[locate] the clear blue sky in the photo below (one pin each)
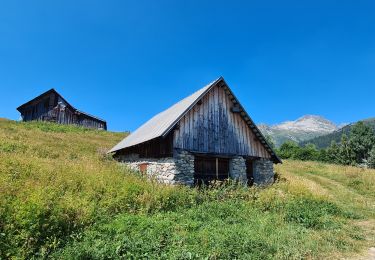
(124, 61)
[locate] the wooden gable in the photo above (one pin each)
(215, 125)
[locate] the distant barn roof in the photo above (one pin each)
(161, 124)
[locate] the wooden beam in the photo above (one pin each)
(217, 168)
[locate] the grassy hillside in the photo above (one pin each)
(62, 197)
(325, 140)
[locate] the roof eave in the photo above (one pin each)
(94, 117)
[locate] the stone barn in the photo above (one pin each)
(205, 137)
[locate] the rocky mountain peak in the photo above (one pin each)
(301, 129)
(308, 123)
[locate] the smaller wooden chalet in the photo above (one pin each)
(204, 137)
(52, 107)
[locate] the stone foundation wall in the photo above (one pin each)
(178, 169)
(263, 172)
(184, 162)
(162, 169)
(237, 169)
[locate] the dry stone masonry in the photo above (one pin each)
(184, 162)
(263, 172)
(237, 170)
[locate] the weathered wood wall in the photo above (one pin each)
(39, 109)
(211, 127)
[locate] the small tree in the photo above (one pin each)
(322, 155)
(333, 153)
(346, 154)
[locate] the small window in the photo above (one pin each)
(143, 167)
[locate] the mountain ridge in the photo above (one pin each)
(303, 128)
(324, 141)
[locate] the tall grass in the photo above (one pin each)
(62, 197)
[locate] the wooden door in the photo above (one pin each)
(208, 169)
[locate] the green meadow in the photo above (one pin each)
(62, 197)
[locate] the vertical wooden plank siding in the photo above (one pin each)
(211, 127)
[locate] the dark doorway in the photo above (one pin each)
(250, 172)
(208, 169)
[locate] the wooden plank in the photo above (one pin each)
(216, 121)
(210, 122)
(225, 123)
(205, 123)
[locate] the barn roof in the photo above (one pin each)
(52, 90)
(161, 124)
